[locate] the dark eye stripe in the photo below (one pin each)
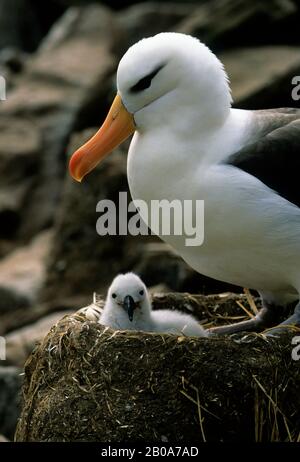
(145, 82)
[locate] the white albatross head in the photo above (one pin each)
(164, 73)
(128, 292)
(170, 78)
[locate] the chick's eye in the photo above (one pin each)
(114, 295)
(141, 292)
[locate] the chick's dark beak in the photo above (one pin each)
(129, 306)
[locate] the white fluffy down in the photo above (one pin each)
(175, 322)
(144, 319)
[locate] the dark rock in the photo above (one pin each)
(46, 16)
(11, 300)
(10, 387)
(6, 246)
(13, 59)
(223, 24)
(20, 146)
(23, 23)
(18, 25)
(134, 386)
(262, 77)
(150, 18)
(116, 4)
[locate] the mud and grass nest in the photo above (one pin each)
(85, 382)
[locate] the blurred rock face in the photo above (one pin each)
(72, 61)
(22, 272)
(23, 23)
(59, 60)
(10, 386)
(81, 259)
(18, 25)
(20, 146)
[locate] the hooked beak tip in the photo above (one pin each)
(117, 127)
(74, 166)
(129, 306)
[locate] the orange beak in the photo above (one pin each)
(117, 127)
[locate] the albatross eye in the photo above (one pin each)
(146, 81)
(141, 292)
(114, 295)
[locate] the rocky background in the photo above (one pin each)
(59, 60)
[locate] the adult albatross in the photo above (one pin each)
(189, 143)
